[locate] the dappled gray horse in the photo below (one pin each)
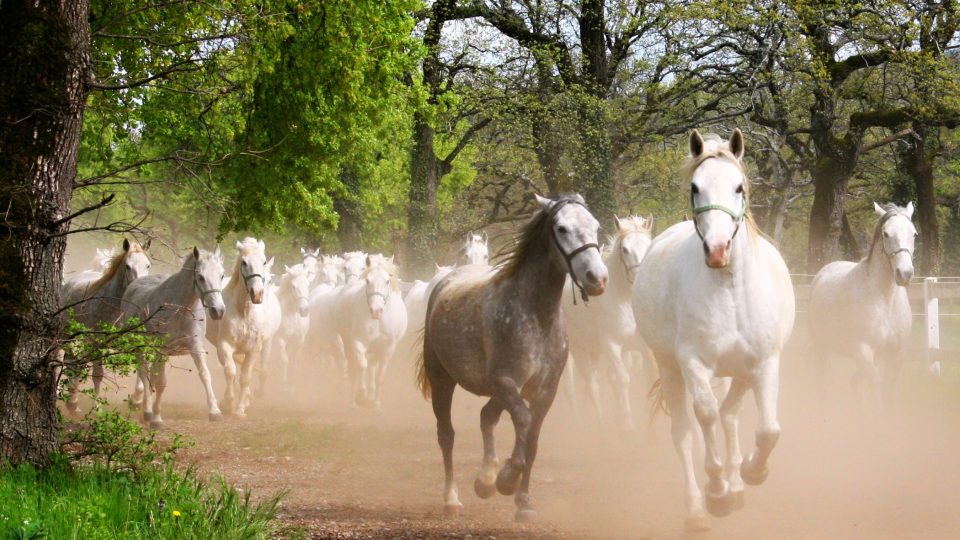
(500, 333)
(173, 307)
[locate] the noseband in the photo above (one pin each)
(204, 293)
(568, 257)
(737, 216)
(247, 278)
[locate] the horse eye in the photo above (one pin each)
(886, 234)
(562, 230)
(740, 188)
(694, 189)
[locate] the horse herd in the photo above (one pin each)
(708, 298)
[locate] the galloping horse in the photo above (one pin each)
(251, 320)
(95, 298)
(173, 307)
(293, 293)
(602, 331)
(861, 310)
(500, 333)
(713, 298)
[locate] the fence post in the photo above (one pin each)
(932, 310)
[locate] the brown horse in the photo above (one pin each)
(500, 333)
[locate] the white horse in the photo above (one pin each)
(173, 307)
(713, 298)
(354, 264)
(251, 320)
(311, 261)
(602, 331)
(371, 319)
(861, 310)
(293, 293)
(322, 340)
(95, 298)
(474, 250)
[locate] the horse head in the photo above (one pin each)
(253, 267)
(718, 193)
(897, 234)
(574, 232)
(208, 280)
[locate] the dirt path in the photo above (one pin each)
(353, 473)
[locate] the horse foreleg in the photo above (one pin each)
(250, 361)
(766, 385)
(508, 393)
(699, 378)
(143, 374)
(263, 366)
(97, 377)
(485, 483)
(136, 400)
(620, 381)
(199, 355)
(225, 357)
(158, 378)
(675, 396)
(538, 411)
(730, 420)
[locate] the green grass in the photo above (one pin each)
(89, 502)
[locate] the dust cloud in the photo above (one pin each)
(838, 472)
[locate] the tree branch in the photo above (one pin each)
(103, 202)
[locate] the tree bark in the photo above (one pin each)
(917, 160)
(350, 227)
(45, 52)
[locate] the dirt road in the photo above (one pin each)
(356, 473)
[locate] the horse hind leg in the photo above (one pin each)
(97, 377)
(442, 387)
(159, 382)
(485, 485)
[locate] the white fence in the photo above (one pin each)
(925, 294)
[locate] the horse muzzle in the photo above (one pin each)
(216, 313)
(376, 313)
(717, 254)
(256, 296)
(595, 283)
(303, 309)
(903, 277)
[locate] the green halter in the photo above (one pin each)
(737, 216)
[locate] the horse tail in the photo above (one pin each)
(658, 404)
(423, 381)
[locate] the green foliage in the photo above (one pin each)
(112, 442)
(94, 503)
(119, 348)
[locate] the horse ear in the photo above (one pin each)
(239, 245)
(196, 252)
(126, 245)
(217, 254)
(879, 209)
(286, 269)
(269, 264)
(316, 253)
(616, 221)
(303, 252)
(696, 143)
(544, 202)
(486, 239)
(390, 259)
(368, 261)
(736, 143)
(910, 209)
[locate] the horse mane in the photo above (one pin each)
(116, 263)
(716, 147)
(892, 211)
(528, 242)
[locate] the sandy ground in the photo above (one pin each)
(358, 473)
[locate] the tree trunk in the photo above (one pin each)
(45, 54)
(918, 162)
(830, 180)
(350, 227)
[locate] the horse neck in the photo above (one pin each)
(287, 296)
(539, 284)
(743, 254)
(182, 287)
(878, 269)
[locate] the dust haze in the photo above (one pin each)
(838, 471)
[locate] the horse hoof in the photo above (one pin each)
(719, 506)
(215, 417)
(697, 524)
(751, 475)
(484, 490)
(526, 515)
(156, 424)
(738, 500)
(147, 416)
(508, 480)
(453, 510)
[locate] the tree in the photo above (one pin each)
(43, 90)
